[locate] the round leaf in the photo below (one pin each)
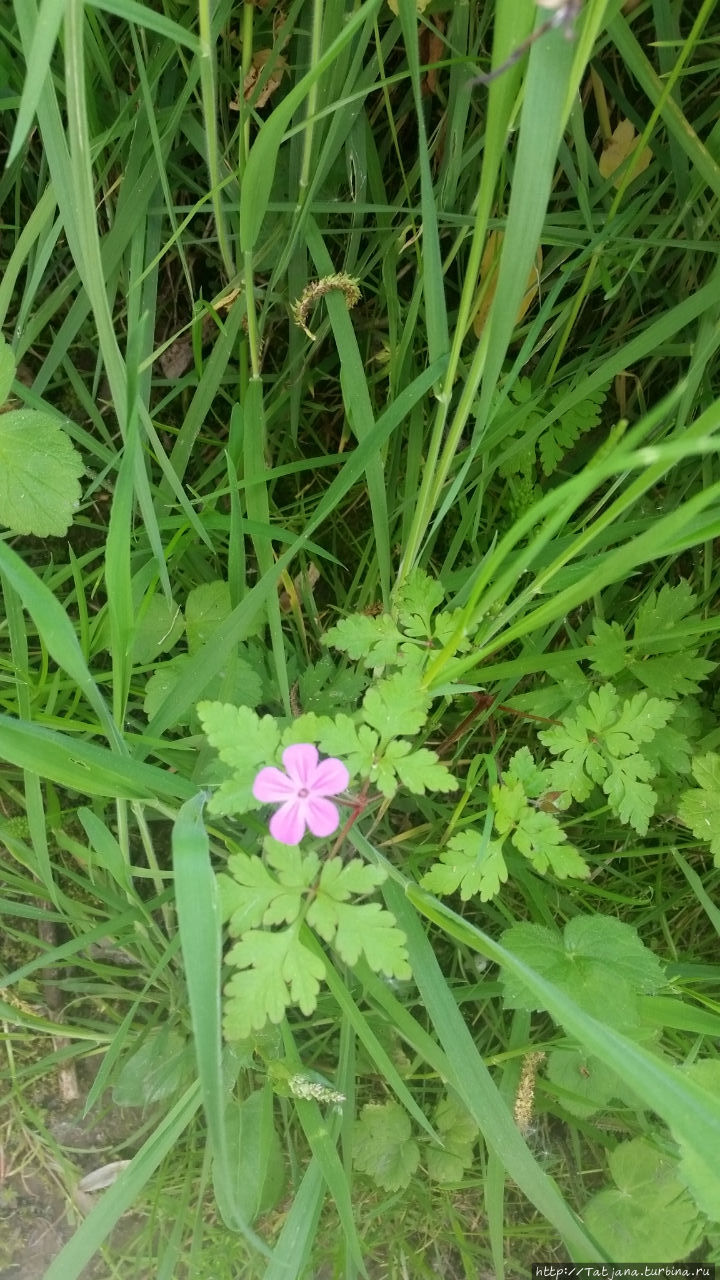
(39, 474)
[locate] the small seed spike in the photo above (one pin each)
(562, 14)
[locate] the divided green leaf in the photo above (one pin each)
(699, 808)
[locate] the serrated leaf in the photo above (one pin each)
(597, 954)
(40, 471)
(416, 601)
(459, 1133)
(245, 743)
(660, 615)
(161, 684)
(445, 627)
(627, 790)
(361, 929)
(276, 971)
(421, 771)
(468, 865)
(396, 707)
(250, 895)
(700, 809)
(531, 777)
(374, 640)
(324, 689)
(603, 741)
(608, 643)
(383, 1146)
(650, 1214)
(342, 880)
(354, 745)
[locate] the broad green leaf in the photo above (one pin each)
(40, 471)
(160, 1067)
(205, 608)
(586, 1084)
(158, 628)
(256, 1155)
(650, 1215)
(383, 1146)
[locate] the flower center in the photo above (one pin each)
(303, 793)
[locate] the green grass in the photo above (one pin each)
(246, 488)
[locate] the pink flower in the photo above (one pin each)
(301, 793)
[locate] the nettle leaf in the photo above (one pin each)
(374, 640)
(416, 601)
(383, 1146)
(468, 865)
(650, 1214)
(245, 743)
(40, 471)
(276, 971)
(596, 956)
(700, 809)
(459, 1134)
(396, 707)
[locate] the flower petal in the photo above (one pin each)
(300, 760)
(288, 824)
(321, 816)
(331, 776)
(272, 785)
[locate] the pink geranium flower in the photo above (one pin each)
(301, 793)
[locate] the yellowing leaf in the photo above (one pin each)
(420, 6)
(489, 268)
(254, 74)
(618, 148)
